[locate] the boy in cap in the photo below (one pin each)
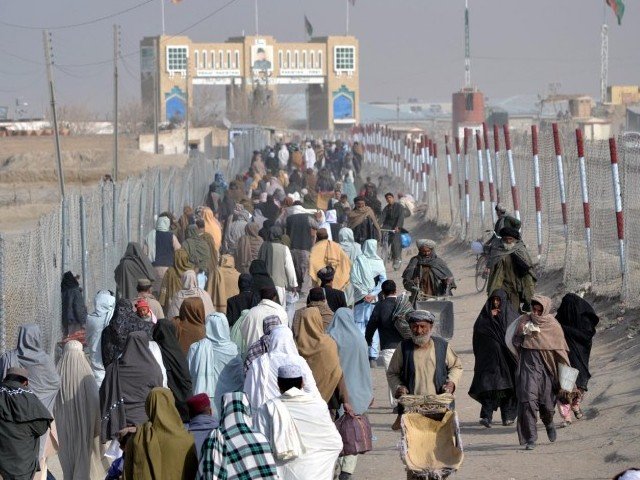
(144, 292)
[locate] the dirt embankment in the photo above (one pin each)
(29, 179)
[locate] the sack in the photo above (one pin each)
(403, 308)
(405, 239)
(355, 433)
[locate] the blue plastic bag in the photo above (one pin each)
(405, 240)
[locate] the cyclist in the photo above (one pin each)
(427, 273)
(504, 219)
(393, 219)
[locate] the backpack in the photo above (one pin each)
(403, 308)
(356, 434)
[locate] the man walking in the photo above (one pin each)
(393, 219)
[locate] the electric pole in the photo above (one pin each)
(49, 62)
(116, 53)
(604, 62)
(156, 95)
(186, 106)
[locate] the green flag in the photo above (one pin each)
(308, 27)
(618, 8)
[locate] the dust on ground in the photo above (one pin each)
(29, 179)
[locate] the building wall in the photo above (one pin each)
(623, 94)
(468, 108)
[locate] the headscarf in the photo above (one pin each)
(77, 414)
(175, 363)
(189, 289)
(260, 277)
(69, 281)
(161, 448)
(550, 336)
(261, 346)
(248, 247)
(328, 252)
(190, 322)
(44, 381)
(320, 351)
(126, 385)
(214, 362)
(133, 266)
(494, 368)
(230, 277)
(172, 281)
(104, 306)
(184, 221)
(219, 184)
(366, 268)
(234, 451)
(354, 359)
(212, 226)
(163, 224)
(114, 337)
(348, 244)
(578, 320)
(197, 248)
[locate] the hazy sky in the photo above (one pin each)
(408, 48)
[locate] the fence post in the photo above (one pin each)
(449, 177)
(3, 314)
(537, 189)
(467, 199)
(561, 185)
(105, 235)
(83, 244)
(141, 215)
(496, 147)
(492, 190)
(615, 176)
(512, 172)
(63, 235)
(128, 211)
(480, 178)
(435, 175)
(586, 210)
(460, 175)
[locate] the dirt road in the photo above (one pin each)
(605, 442)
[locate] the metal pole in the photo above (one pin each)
(480, 178)
(105, 235)
(492, 190)
(256, 17)
(186, 108)
(449, 177)
(116, 49)
(561, 185)
(156, 95)
(46, 37)
(435, 175)
(536, 186)
(83, 243)
(617, 197)
(460, 175)
(162, 12)
(3, 320)
(512, 172)
(467, 199)
(586, 209)
(496, 147)
(348, 1)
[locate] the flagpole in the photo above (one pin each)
(162, 10)
(348, 1)
(256, 19)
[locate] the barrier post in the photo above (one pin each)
(586, 210)
(561, 184)
(449, 176)
(467, 200)
(617, 196)
(492, 191)
(460, 175)
(515, 195)
(537, 189)
(496, 148)
(83, 246)
(480, 178)
(435, 174)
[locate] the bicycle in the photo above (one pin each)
(385, 247)
(481, 249)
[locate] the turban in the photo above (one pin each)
(326, 274)
(509, 232)
(198, 404)
(425, 242)
(421, 316)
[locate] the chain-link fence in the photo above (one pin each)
(88, 234)
(558, 234)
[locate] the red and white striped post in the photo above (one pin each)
(435, 175)
(480, 178)
(460, 175)
(561, 184)
(617, 197)
(423, 160)
(496, 147)
(492, 190)
(586, 209)
(405, 160)
(536, 186)
(467, 199)
(428, 169)
(449, 176)
(515, 195)
(418, 174)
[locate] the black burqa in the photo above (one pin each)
(242, 301)
(127, 383)
(133, 266)
(175, 363)
(495, 366)
(260, 278)
(114, 337)
(578, 320)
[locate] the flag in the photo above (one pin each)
(618, 8)
(308, 27)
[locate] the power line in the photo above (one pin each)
(80, 24)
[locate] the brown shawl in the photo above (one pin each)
(248, 247)
(325, 312)
(213, 266)
(320, 351)
(172, 281)
(190, 323)
(549, 340)
(355, 217)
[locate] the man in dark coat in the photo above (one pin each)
(363, 221)
(23, 420)
(335, 298)
(242, 301)
(74, 310)
(393, 219)
(427, 273)
(493, 382)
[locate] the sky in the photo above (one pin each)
(408, 48)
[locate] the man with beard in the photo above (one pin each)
(362, 220)
(427, 273)
(511, 269)
(424, 364)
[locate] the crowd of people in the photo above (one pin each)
(240, 331)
